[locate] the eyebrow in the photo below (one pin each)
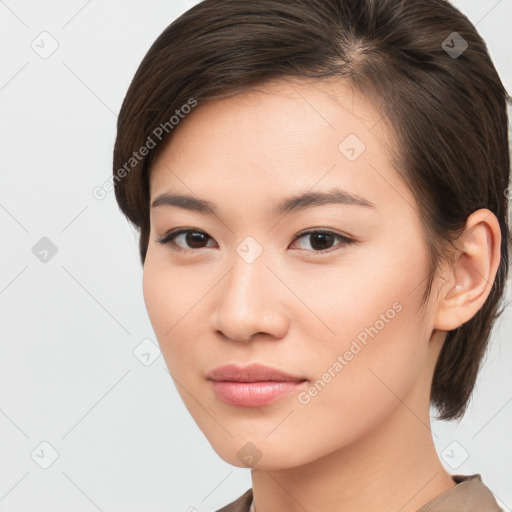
(296, 203)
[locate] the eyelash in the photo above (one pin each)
(168, 238)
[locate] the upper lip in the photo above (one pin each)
(251, 373)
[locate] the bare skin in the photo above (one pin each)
(363, 442)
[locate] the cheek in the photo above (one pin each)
(378, 364)
(161, 295)
(166, 295)
(155, 298)
(352, 397)
(170, 305)
(380, 346)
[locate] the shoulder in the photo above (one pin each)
(469, 494)
(241, 504)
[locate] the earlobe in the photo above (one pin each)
(473, 272)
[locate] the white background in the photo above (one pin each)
(69, 327)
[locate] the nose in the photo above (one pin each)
(250, 301)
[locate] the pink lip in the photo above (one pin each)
(252, 386)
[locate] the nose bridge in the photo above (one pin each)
(249, 273)
(247, 285)
(247, 301)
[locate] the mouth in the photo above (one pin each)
(252, 373)
(252, 386)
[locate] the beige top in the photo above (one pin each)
(468, 495)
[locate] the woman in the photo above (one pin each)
(321, 192)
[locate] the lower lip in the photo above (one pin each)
(253, 394)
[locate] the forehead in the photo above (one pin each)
(283, 135)
(296, 110)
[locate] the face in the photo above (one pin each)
(325, 290)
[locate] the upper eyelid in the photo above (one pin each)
(180, 231)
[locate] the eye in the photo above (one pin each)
(320, 238)
(193, 237)
(196, 239)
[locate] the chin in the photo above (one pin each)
(259, 453)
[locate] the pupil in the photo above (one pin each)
(322, 237)
(194, 238)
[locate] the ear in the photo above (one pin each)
(472, 274)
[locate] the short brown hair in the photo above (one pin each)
(444, 103)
